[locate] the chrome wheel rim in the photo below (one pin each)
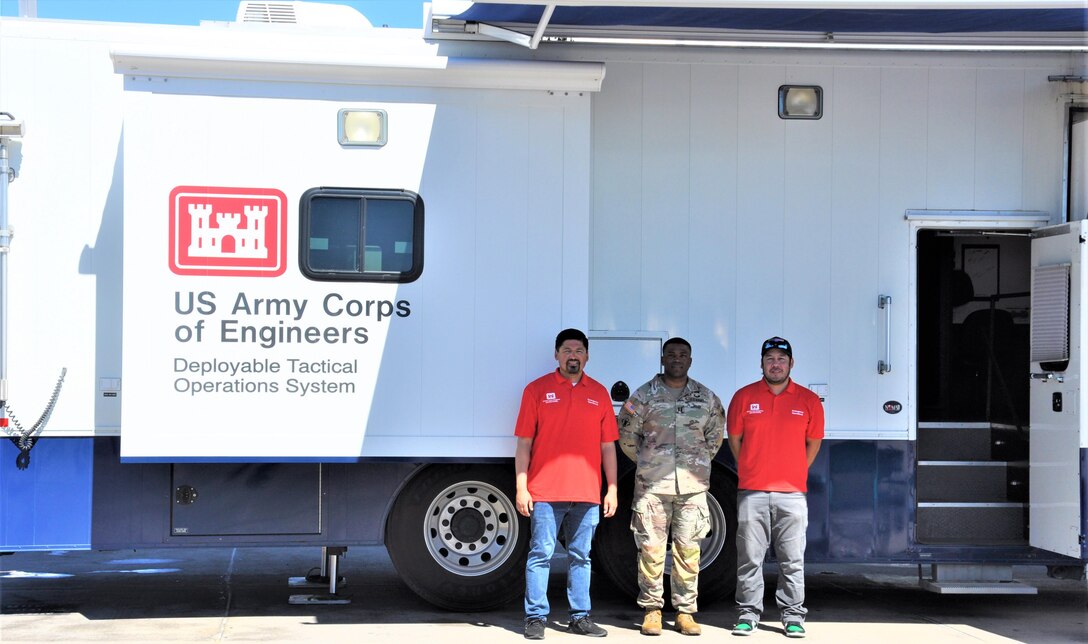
(471, 528)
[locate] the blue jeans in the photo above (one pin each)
(579, 521)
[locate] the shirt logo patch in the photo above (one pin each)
(630, 407)
(550, 397)
(592, 402)
(797, 412)
(753, 408)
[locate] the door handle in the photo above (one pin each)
(884, 302)
(1047, 376)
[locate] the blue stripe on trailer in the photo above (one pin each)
(48, 505)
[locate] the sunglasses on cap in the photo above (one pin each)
(777, 343)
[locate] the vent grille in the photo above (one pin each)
(1050, 314)
(270, 12)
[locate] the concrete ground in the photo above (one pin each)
(236, 595)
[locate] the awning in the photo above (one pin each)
(1060, 24)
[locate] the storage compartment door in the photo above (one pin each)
(218, 499)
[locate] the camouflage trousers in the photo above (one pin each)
(651, 519)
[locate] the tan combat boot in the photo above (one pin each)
(651, 623)
(685, 623)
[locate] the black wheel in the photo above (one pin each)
(616, 553)
(457, 540)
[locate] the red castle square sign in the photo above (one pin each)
(228, 231)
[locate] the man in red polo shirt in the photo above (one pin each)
(775, 428)
(566, 431)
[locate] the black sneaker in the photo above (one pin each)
(744, 627)
(585, 626)
(534, 628)
(795, 629)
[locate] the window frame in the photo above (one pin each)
(362, 195)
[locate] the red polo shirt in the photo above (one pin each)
(567, 423)
(772, 452)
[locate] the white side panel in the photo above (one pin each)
(1042, 161)
(500, 313)
(796, 227)
(950, 153)
(617, 201)
(904, 127)
(999, 139)
(544, 286)
(761, 228)
(65, 210)
(711, 279)
(448, 170)
(806, 242)
(666, 157)
(504, 175)
(855, 184)
(1058, 428)
(575, 199)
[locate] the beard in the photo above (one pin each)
(573, 367)
(778, 378)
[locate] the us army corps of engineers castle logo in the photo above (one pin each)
(228, 231)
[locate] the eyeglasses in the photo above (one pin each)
(776, 344)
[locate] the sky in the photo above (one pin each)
(391, 13)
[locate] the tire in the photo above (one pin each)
(617, 554)
(455, 537)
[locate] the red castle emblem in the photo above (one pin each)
(228, 231)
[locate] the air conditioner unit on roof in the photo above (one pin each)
(308, 14)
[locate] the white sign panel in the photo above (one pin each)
(230, 352)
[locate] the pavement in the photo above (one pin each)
(241, 595)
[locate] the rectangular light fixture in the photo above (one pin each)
(800, 102)
(365, 128)
(10, 127)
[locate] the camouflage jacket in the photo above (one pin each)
(672, 441)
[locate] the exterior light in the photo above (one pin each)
(800, 102)
(366, 128)
(10, 127)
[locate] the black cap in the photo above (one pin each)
(776, 343)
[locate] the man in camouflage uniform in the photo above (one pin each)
(671, 428)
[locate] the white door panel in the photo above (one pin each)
(1057, 361)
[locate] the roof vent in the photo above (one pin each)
(308, 14)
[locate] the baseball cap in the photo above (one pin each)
(776, 343)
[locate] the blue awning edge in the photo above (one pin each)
(920, 21)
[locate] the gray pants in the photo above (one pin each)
(763, 518)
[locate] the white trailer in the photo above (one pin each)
(299, 273)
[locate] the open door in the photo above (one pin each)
(1057, 404)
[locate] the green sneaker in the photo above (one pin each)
(744, 627)
(795, 629)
